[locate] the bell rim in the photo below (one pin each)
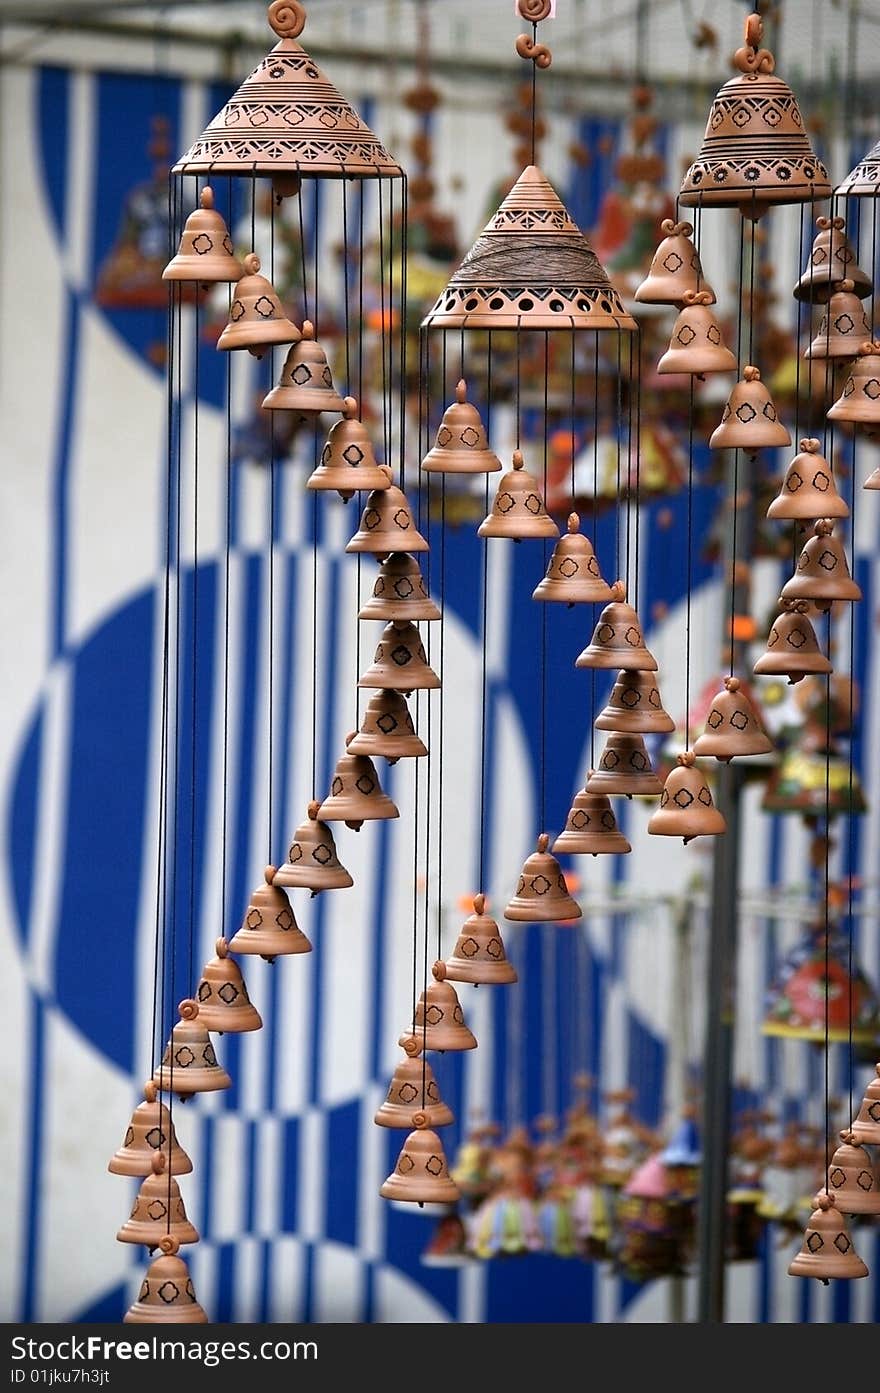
(336, 878)
(230, 1020)
(437, 1114)
(276, 945)
(141, 1169)
(399, 610)
(599, 844)
(477, 972)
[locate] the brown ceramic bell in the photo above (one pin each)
(478, 955)
(733, 727)
(675, 269)
(387, 730)
(461, 446)
(387, 524)
(356, 794)
(205, 254)
(832, 260)
(843, 327)
(873, 480)
(189, 1064)
(311, 858)
(223, 1000)
(822, 574)
(306, 384)
(859, 401)
(421, 1174)
(828, 1249)
(158, 1209)
(749, 420)
(269, 927)
(573, 576)
(866, 1127)
(400, 663)
(399, 592)
(617, 640)
(348, 463)
(167, 1296)
(635, 705)
(151, 1129)
(624, 767)
(591, 828)
(541, 894)
(686, 808)
(413, 1090)
(256, 317)
(853, 1178)
(438, 1023)
(808, 490)
(518, 509)
(792, 647)
(863, 180)
(696, 344)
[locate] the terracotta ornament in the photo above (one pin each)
(400, 663)
(478, 956)
(828, 1249)
(541, 894)
(518, 509)
(387, 524)
(151, 1130)
(166, 1295)
(400, 592)
(205, 253)
(696, 344)
(158, 1209)
(624, 767)
(312, 862)
(853, 1178)
(859, 402)
(822, 574)
(573, 576)
(407, 1099)
(224, 1004)
(306, 383)
(635, 705)
(808, 490)
(438, 1023)
(863, 181)
(356, 794)
(792, 647)
(733, 727)
(387, 730)
(686, 808)
(189, 1064)
(348, 462)
(866, 1127)
(269, 927)
(617, 640)
(256, 316)
(832, 260)
(675, 270)
(843, 327)
(421, 1174)
(461, 446)
(591, 828)
(749, 420)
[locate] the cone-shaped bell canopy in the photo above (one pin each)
(733, 727)
(518, 509)
(853, 1178)
(167, 1295)
(224, 1004)
(808, 490)
(866, 1127)
(755, 151)
(311, 858)
(863, 180)
(356, 795)
(531, 268)
(421, 1174)
(150, 1130)
(624, 767)
(686, 808)
(617, 640)
(269, 927)
(822, 574)
(541, 894)
(256, 315)
(792, 647)
(478, 955)
(189, 1064)
(348, 463)
(388, 730)
(591, 828)
(749, 420)
(439, 1022)
(832, 260)
(859, 401)
(400, 592)
(696, 344)
(205, 254)
(635, 705)
(407, 1098)
(400, 663)
(843, 328)
(827, 1248)
(387, 524)
(872, 481)
(675, 269)
(573, 576)
(306, 384)
(288, 118)
(158, 1209)
(461, 446)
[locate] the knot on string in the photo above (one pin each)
(676, 229)
(751, 58)
(869, 346)
(810, 445)
(419, 1120)
(151, 1092)
(618, 591)
(697, 297)
(313, 810)
(823, 528)
(751, 373)
(169, 1245)
(461, 391)
(221, 947)
(825, 224)
(480, 904)
(438, 971)
(543, 842)
(687, 759)
(188, 1009)
(270, 873)
(252, 264)
(206, 197)
(732, 684)
(539, 54)
(157, 1162)
(847, 284)
(573, 524)
(287, 18)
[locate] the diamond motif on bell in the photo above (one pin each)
(401, 655)
(504, 502)
(632, 637)
(605, 633)
(540, 885)
(434, 1164)
(815, 1242)
(444, 435)
(202, 244)
(264, 307)
(610, 759)
(705, 797)
(842, 1243)
(184, 1056)
(495, 949)
(579, 820)
(828, 561)
(156, 1210)
(228, 993)
(209, 1056)
(405, 1163)
(685, 335)
(797, 638)
(568, 567)
(713, 334)
(821, 482)
(672, 263)
(739, 720)
(169, 1292)
(630, 698)
(741, 117)
(469, 947)
(714, 718)
(745, 413)
(683, 798)
(408, 1093)
(470, 437)
(284, 920)
(533, 503)
(365, 785)
(769, 410)
(386, 723)
(794, 482)
(204, 991)
(403, 588)
(371, 519)
(295, 853)
(301, 374)
(353, 454)
(254, 919)
(837, 1177)
(844, 324)
(607, 820)
(872, 388)
(401, 519)
(865, 1181)
(336, 786)
(874, 1112)
(154, 1138)
(433, 1015)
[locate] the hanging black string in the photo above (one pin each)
(191, 913)
(273, 479)
(404, 274)
(384, 331)
(689, 570)
(227, 552)
(484, 634)
(734, 501)
(543, 608)
(827, 914)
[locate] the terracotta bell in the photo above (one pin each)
(387, 524)
(675, 269)
(755, 151)
(256, 317)
(205, 253)
(478, 955)
(853, 1178)
(387, 730)
(635, 705)
(792, 647)
(151, 1130)
(873, 480)
(348, 462)
(832, 260)
(461, 446)
(843, 327)
(749, 420)
(158, 1209)
(573, 576)
(808, 490)
(828, 1249)
(421, 1174)
(189, 1064)
(624, 767)
(399, 592)
(356, 794)
(518, 509)
(686, 808)
(312, 862)
(863, 180)
(166, 1296)
(438, 1023)
(269, 927)
(306, 383)
(407, 1098)
(733, 727)
(224, 1004)
(696, 344)
(541, 895)
(866, 1127)
(822, 574)
(617, 640)
(859, 402)
(591, 828)
(400, 663)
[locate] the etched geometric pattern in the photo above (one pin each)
(405, 1163)
(468, 948)
(815, 1242)
(683, 798)
(574, 305)
(434, 1014)
(228, 993)
(284, 920)
(714, 718)
(568, 567)
(434, 1165)
(842, 1243)
(705, 797)
(407, 1093)
(253, 919)
(739, 720)
(821, 482)
(540, 884)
